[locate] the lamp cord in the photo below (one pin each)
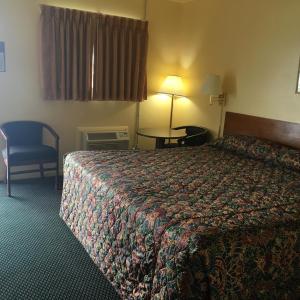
(221, 119)
(145, 10)
(138, 105)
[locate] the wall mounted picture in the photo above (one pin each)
(2, 57)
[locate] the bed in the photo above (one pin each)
(219, 221)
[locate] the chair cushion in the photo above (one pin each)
(24, 132)
(25, 154)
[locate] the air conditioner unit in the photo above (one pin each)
(104, 138)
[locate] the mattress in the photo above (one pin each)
(186, 223)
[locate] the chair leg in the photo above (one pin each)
(57, 176)
(5, 177)
(42, 170)
(8, 181)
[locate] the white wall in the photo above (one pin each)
(254, 45)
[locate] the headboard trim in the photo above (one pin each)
(282, 132)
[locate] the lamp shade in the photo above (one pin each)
(212, 85)
(172, 85)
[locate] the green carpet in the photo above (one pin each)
(39, 256)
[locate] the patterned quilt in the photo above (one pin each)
(186, 223)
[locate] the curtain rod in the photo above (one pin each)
(145, 10)
(143, 18)
(138, 105)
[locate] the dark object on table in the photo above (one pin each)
(161, 135)
(195, 136)
(24, 146)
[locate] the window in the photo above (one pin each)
(90, 56)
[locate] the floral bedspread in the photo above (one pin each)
(186, 223)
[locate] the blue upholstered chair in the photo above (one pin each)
(24, 146)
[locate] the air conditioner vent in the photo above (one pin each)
(121, 145)
(101, 136)
(104, 138)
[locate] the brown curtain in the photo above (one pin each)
(120, 59)
(67, 48)
(89, 56)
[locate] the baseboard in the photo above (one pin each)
(28, 175)
(33, 175)
(59, 185)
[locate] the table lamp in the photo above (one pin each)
(172, 86)
(213, 88)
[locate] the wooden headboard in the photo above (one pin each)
(282, 132)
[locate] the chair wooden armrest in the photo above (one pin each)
(6, 138)
(54, 134)
(2, 132)
(180, 127)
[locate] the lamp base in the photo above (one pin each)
(171, 112)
